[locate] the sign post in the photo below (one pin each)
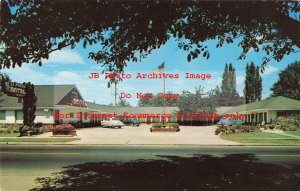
(26, 92)
(13, 89)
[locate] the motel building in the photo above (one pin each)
(65, 104)
(265, 111)
(50, 99)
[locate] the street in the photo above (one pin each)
(181, 167)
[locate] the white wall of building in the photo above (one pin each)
(10, 116)
(44, 116)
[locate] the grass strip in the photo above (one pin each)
(20, 139)
(262, 138)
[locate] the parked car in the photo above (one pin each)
(111, 122)
(132, 121)
(229, 122)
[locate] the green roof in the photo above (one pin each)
(223, 110)
(149, 110)
(102, 108)
(273, 103)
(48, 96)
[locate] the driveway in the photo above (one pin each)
(128, 135)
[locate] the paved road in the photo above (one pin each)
(188, 135)
(21, 164)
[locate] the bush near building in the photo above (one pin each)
(6, 128)
(35, 130)
(39, 128)
(237, 129)
(285, 123)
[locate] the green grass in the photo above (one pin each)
(296, 133)
(262, 138)
(20, 139)
(9, 134)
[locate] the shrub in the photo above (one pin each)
(11, 128)
(5, 130)
(232, 129)
(173, 125)
(287, 123)
(217, 131)
(16, 129)
(62, 128)
(23, 130)
(164, 125)
(158, 125)
(39, 124)
(45, 128)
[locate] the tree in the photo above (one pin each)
(157, 101)
(126, 31)
(258, 84)
(123, 103)
(228, 87)
(288, 84)
(253, 84)
(29, 105)
(198, 102)
(225, 82)
(3, 78)
(227, 94)
(145, 102)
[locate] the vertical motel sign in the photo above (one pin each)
(26, 92)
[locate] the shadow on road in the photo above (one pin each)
(172, 173)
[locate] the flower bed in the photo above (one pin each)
(285, 123)
(63, 129)
(237, 129)
(165, 127)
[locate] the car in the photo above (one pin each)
(229, 122)
(111, 123)
(132, 121)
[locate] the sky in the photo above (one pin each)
(72, 66)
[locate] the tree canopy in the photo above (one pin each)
(196, 102)
(123, 103)
(228, 86)
(288, 84)
(253, 84)
(127, 31)
(227, 94)
(156, 101)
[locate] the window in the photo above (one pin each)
(75, 95)
(2, 115)
(19, 115)
(20, 100)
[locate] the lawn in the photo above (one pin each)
(20, 139)
(9, 134)
(262, 138)
(296, 133)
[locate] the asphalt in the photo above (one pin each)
(22, 164)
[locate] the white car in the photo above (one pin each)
(111, 122)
